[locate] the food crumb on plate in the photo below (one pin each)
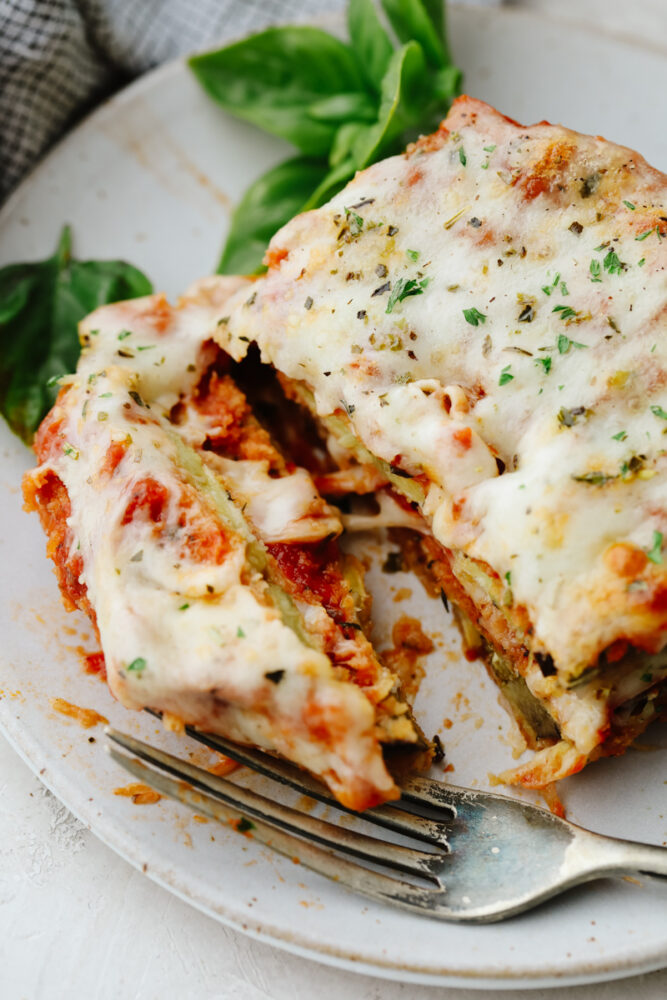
(87, 717)
(140, 794)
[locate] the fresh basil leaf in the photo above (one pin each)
(266, 206)
(332, 183)
(411, 20)
(446, 84)
(344, 142)
(41, 304)
(271, 79)
(369, 40)
(344, 108)
(312, 89)
(401, 104)
(438, 16)
(436, 13)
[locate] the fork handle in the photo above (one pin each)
(615, 856)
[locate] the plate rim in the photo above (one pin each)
(300, 944)
(21, 740)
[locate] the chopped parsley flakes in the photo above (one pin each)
(596, 478)
(403, 289)
(356, 222)
(566, 312)
(655, 552)
(505, 376)
(564, 344)
(658, 411)
(612, 263)
(474, 316)
(244, 825)
(137, 665)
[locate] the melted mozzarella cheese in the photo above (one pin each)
(498, 292)
(187, 622)
(282, 509)
(193, 621)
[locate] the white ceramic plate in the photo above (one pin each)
(150, 177)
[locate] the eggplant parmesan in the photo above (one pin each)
(207, 561)
(482, 322)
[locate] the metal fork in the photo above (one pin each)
(488, 857)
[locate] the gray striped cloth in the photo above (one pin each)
(58, 58)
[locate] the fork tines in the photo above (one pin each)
(292, 832)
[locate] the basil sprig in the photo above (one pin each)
(343, 105)
(41, 304)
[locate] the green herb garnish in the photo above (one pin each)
(564, 344)
(566, 312)
(505, 376)
(594, 478)
(655, 552)
(41, 304)
(357, 223)
(343, 105)
(628, 204)
(403, 288)
(612, 263)
(546, 364)
(137, 665)
(474, 316)
(658, 411)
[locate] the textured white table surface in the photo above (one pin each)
(76, 921)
